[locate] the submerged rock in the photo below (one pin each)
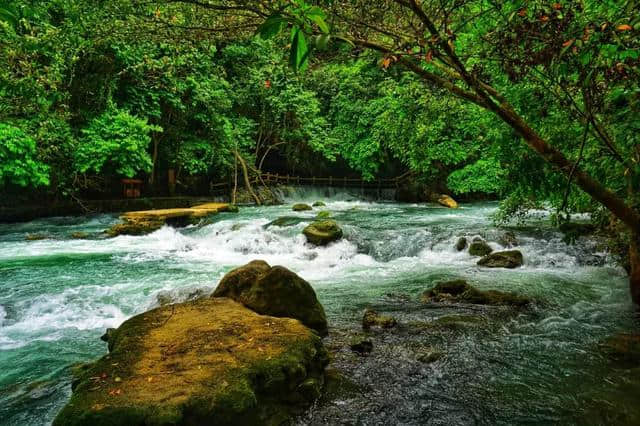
(461, 291)
(478, 247)
(429, 355)
(502, 259)
(319, 204)
(284, 221)
(373, 319)
(232, 208)
(323, 232)
(274, 291)
(135, 227)
(35, 237)
(362, 348)
(461, 244)
(301, 207)
(623, 348)
(447, 201)
(324, 214)
(211, 361)
(508, 240)
(80, 235)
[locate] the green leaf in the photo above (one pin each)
(317, 15)
(271, 26)
(322, 41)
(299, 55)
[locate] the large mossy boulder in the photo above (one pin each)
(479, 247)
(502, 259)
(462, 292)
(301, 207)
(323, 232)
(210, 361)
(274, 291)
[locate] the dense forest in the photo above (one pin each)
(319, 212)
(95, 92)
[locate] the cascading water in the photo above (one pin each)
(541, 365)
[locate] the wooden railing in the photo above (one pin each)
(340, 182)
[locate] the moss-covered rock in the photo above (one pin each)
(324, 214)
(461, 244)
(502, 259)
(447, 201)
(211, 361)
(274, 291)
(373, 319)
(35, 237)
(478, 247)
(232, 208)
(319, 204)
(323, 232)
(135, 227)
(301, 207)
(461, 291)
(79, 235)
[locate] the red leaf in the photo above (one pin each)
(624, 27)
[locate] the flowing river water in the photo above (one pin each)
(540, 365)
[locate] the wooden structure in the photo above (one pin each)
(131, 188)
(339, 182)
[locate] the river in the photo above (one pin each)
(540, 365)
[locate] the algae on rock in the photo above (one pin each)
(210, 361)
(274, 291)
(323, 232)
(461, 291)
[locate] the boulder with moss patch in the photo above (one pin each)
(502, 259)
(319, 204)
(461, 291)
(479, 247)
(211, 361)
(324, 214)
(301, 207)
(274, 291)
(323, 232)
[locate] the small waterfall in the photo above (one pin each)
(315, 193)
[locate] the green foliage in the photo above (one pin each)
(116, 141)
(18, 159)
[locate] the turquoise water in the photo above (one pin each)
(542, 365)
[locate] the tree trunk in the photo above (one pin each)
(634, 276)
(245, 174)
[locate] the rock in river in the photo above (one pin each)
(447, 201)
(478, 247)
(502, 259)
(461, 244)
(373, 319)
(323, 232)
(461, 291)
(301, 207)
(319, 204)
(274, 291)
(210, 361)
